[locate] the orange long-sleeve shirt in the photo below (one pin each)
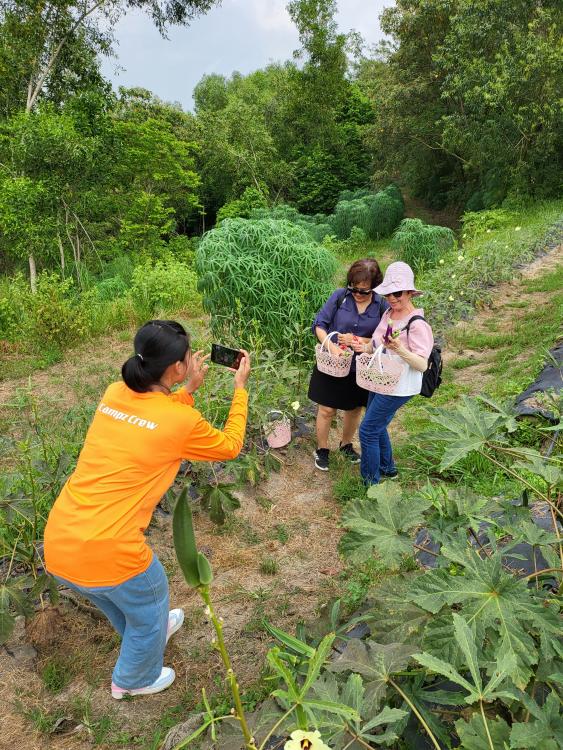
(132, 452)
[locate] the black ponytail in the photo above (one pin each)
(158, 344)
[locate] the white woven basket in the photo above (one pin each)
(337, 365)
(378, 372)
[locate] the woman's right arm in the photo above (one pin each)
(321, 334)
(207, 443)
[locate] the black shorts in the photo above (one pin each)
(337, 393)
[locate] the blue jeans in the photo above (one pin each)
(377, 454)
(138, 610)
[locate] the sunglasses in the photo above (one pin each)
(397, 295)
(355, 290)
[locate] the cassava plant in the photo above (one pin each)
(377, 214)
(422, 245)
(266, 271)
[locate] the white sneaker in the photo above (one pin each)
(167, 677)
(175, 621)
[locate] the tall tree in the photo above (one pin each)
(47, 45)
(466, 98)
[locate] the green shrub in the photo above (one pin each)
(352, 195)
(166, 286)
(422, 245)
(376, 213)
(242, 207)
(13, 294)
(182, 248)
(317, 226)
(108, 289)
(120, 265)
(53, 318)
(349, 214)
(395, 192)
(479, 222)
(108, 314)
(267, 271)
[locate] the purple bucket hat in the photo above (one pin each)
(399, 277)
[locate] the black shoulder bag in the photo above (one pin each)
(432, 376)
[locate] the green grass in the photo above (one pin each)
(461, 363)
(551, 282)
(269, 566)
(281, 533)
(348, 484)
(264, 502)
(56, 675)
(42, 720)
(478, 340)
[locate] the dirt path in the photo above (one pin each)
(417, 209)
(508, 308)
(287, 526)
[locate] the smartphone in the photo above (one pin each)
(222, 355)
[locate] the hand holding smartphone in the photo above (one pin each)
(223, 355)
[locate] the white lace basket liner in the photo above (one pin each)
(332, 364)
(378, 372)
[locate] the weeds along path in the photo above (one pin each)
(509, 337)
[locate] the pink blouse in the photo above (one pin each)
(420, 340)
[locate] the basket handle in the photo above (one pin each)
(377, 353)
(327, 338)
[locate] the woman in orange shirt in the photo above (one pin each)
(94, 538)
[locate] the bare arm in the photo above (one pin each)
(416, 361)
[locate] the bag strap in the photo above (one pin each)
(340, 301)
(381, 308)
(408, 325)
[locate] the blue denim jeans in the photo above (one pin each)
(377, 454)
(138, 610)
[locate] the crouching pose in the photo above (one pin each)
(94, 538)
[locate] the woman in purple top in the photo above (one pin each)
(355, 313)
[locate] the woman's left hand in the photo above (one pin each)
(196, 371)
(396, 346)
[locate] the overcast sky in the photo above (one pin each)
(238, 35)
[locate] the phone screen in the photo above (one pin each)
(223, 355)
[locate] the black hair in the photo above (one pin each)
(158, 344)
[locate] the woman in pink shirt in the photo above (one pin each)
(412, 347)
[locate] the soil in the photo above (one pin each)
(290, 518)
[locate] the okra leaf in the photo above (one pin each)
(473, 734)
